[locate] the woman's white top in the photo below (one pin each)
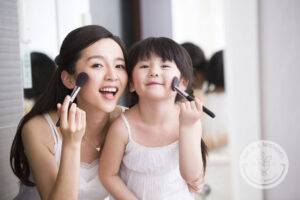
(90, 187)
(152, 173)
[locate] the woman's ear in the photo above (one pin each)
(68, 80)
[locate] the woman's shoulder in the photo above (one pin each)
(35, 123)
(37, 129)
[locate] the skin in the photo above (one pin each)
(155, 121)
(103, 61)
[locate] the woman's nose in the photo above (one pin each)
(111, 75)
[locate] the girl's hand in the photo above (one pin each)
(190, 112)
(72, 121)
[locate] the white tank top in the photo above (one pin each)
(90, 187)
(152, 173)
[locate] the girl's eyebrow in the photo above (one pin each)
(102, 58)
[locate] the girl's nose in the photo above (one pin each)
(154, 72)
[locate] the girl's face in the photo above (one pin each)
(152, 78)
(104, 63)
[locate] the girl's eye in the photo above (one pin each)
(144, 66)
(120, 66)
(165, 66)
(97, 65)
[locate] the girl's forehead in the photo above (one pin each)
(152, 56)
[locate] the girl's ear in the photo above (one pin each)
(68, 79)
(131, 87)
(183, 84)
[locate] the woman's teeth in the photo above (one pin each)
(109, 89)
(109, 92)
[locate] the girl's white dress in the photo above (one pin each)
(152, 173)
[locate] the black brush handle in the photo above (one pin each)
(206, 110)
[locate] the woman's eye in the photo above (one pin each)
(120, 66)
(97, 65)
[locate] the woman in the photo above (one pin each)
(62, 163)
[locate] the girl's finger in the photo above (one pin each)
(199, 104)
(193, 105)
(182, 106)
(71, 119)
(64, 112)
(188, 105)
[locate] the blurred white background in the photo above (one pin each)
(262, 69)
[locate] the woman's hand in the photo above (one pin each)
(190, 112)
(72, 121)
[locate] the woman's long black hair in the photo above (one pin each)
(167, 49)
(70, 52)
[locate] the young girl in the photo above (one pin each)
(154, 151)
(62, 163)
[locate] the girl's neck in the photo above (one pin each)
(157, 112)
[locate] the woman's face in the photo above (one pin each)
(104, 63)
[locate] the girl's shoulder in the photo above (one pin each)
(117, 112)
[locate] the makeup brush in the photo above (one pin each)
(175, 83)
(80, 81)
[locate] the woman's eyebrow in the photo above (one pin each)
(95, 57)
(102, 58)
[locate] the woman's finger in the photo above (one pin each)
(78, 119)
(71, 119)
(58, 109)
(83, 120)
(64, 112)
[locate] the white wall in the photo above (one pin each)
(200, 22)
(71, 14)
(280, 54)
(156, 18)
(11, 92)
(242, 75)
(38, 26)
(107, 14)
(44, 24)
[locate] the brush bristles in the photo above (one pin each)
(175, 83)
(81, 79)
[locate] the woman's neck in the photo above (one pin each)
(96, 123)
(157, 112)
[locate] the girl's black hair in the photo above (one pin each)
(70, 52)
(215, 70)
(167, 49)
(197, 55)
(42, 69)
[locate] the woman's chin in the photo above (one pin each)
(108, 107)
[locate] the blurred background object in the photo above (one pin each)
(42, 69)
(261, 47)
